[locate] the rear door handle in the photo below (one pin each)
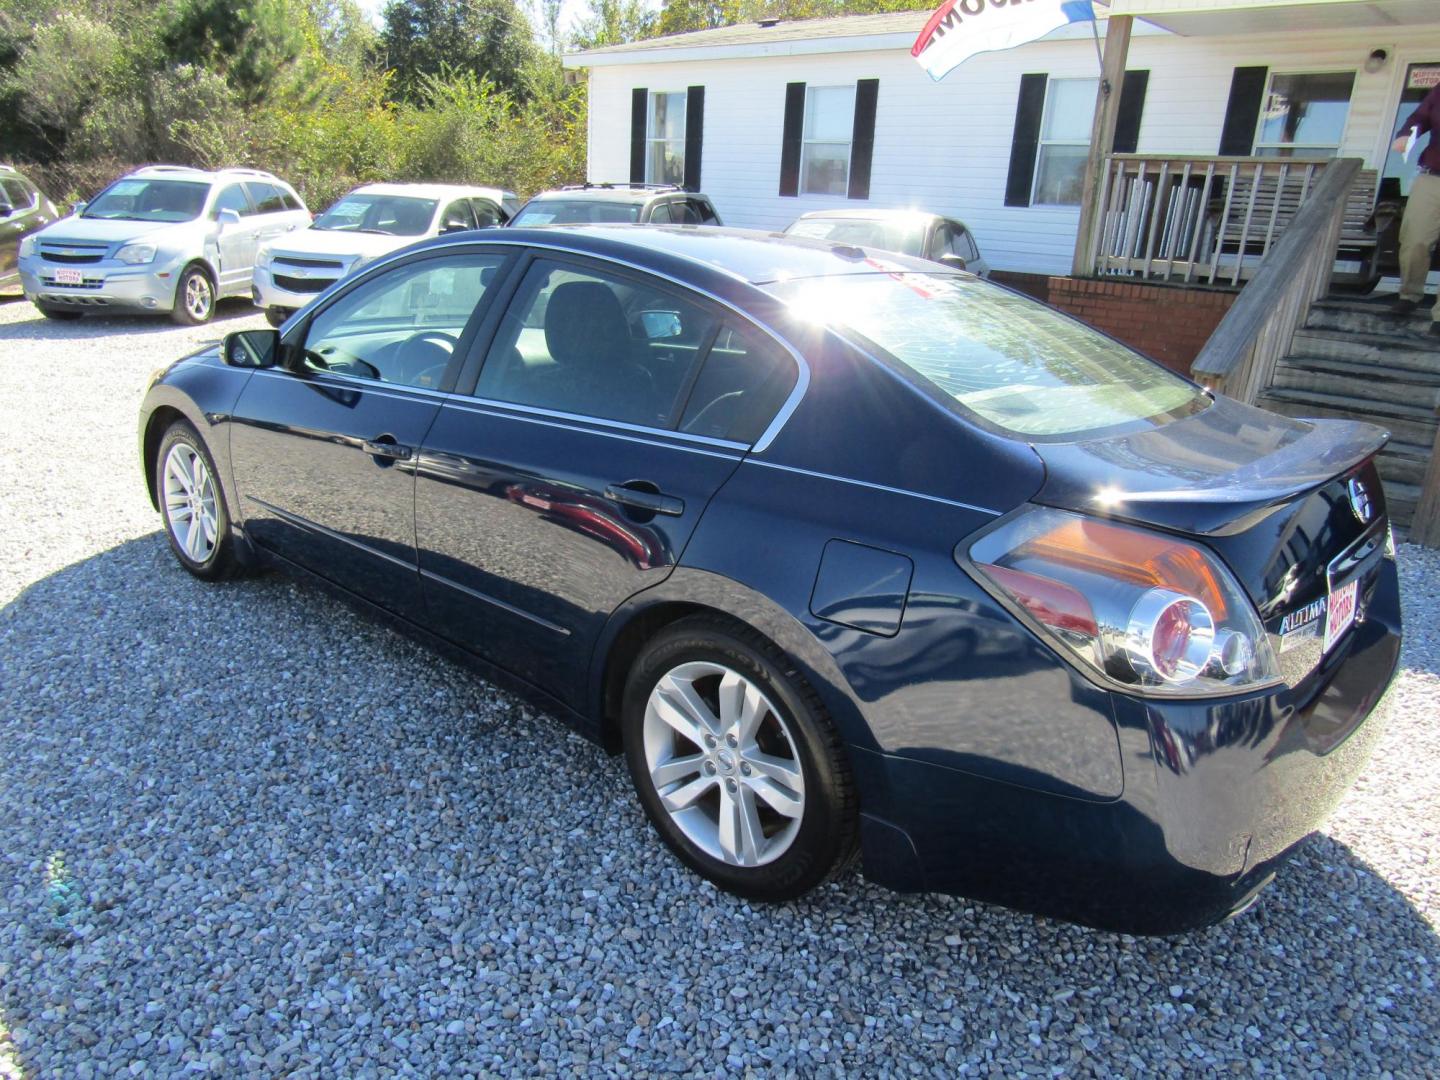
(391, 451)
(652, 502)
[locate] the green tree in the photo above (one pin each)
(257, 45)
(488, 38)
(614, 22)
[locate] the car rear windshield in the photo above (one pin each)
(577, 212)
(905, 236)
(149, 200)
(1012, 362)
(390, 215)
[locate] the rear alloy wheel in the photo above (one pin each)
(736, 763)
(193, 506)
(194, 298)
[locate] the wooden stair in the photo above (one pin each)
(1356, 360)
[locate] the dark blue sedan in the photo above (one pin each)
(847, 553)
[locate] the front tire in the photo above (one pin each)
(276, 317)
(735, 761)
(194, 298)
(197, 522)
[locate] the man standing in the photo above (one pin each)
(1420, 227)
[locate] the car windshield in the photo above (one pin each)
(576, 212)
(905, 235)
(1009, 360)
(393, 215)
(149, 200)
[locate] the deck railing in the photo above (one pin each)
(1240, 357)
(1195, 220)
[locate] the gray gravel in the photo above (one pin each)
(246, 832)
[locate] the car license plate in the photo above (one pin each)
(67, 276)
(1340, 612)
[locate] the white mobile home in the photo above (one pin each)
(777, 118)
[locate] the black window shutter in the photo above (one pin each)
(1132, 105)
(790, 143)
(1242, 112)
(639, 105)
(694, 135)
(862, 141)
(1026, 142)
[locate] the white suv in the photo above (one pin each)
(164, 238)
(371, 221)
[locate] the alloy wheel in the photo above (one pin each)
(190, 509)
(199, 297)
(723, 763)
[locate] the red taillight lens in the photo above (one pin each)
(1144, 609)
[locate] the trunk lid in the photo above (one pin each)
(1295, 508)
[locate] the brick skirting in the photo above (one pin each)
(1167, 322)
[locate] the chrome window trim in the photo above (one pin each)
(783, 414)
(576, 422)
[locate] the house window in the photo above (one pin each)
(665, 139)
(1064, 141)
(825, 149)
(1304, 115)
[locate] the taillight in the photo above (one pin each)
(1146, 610)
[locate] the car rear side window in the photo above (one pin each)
(744, 382)
(402, 327)
(16, 194)
(1010, 361)
(584, 341)
(268, 198)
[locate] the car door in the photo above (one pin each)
(968, 250)
(458, 217)
(487, 214)
(19, 223)
(566, 480)
(236, 239)
(324, 447)
(273, 215)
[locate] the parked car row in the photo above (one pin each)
(172, 239)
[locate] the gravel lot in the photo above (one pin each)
(246, 832)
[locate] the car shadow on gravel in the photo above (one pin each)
(91, 326)
(289, 839)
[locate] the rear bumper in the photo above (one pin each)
(1217, 795)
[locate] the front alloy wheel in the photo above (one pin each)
(736, 762)
(197, 523)
(194, 298)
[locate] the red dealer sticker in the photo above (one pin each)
(1340, 613)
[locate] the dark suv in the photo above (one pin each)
(23, 209)
(618, 204)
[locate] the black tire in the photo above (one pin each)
(195, 280)
(220, 561)
(825, 841)
(59, 314)
(276, 317)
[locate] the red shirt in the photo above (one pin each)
(1426, 120)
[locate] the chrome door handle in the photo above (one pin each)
(391, 451)
(652, 502)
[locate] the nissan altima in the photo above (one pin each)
(848, 554)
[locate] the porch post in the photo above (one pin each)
(1102, 133)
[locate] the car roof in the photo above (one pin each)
(607, 193)
(185, 172)
(871, 215)
(748, 255)
(434, 191)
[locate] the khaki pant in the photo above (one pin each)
(1419, 230)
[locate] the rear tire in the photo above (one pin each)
(192, 504)
(59, 314)
(736, 762)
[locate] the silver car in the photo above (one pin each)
(370, 221)
(909, 232)
(162, 239)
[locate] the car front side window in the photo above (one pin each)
(403, 326)
(234, 198)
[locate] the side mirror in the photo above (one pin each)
(661, 324)
(78, 208)
(955, 262)
(453, 226)
(251, 348)
(6, 210)
(227, 216)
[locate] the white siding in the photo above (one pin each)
(946, 146)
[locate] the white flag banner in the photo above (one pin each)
(961, 28)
